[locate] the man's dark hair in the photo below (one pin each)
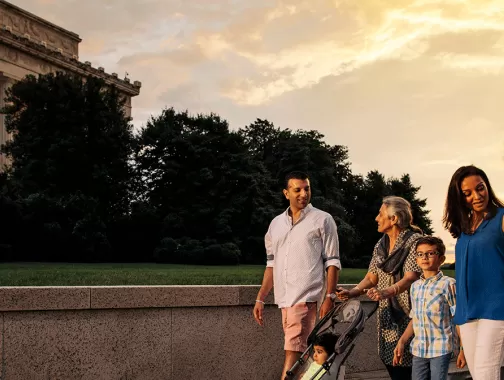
(326, 340)
(432, 240)
(295, 175)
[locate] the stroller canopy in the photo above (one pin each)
(348, 314)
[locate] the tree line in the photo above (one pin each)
(83, 187)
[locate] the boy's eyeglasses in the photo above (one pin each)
(426, 254)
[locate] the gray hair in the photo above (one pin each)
(401, 209)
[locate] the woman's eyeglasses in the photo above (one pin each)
(426, 254)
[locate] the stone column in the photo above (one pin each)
(5, 83)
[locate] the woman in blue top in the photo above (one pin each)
(474, 216)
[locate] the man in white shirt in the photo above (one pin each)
(301, 243)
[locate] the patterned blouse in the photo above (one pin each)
(388, 331)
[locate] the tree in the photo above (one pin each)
(404, 188)
(363, 199)
(283, 151)
(70, 160)
(212, 197)
(185, 189)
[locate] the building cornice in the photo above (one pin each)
(56, 58)
(39, 20)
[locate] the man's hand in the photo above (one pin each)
(258, 313)
(326, 307)
(398, 354)
(461, 360)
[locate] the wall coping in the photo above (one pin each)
(37, 298)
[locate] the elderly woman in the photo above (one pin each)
(392, 270)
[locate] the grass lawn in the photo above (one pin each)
(63, 274)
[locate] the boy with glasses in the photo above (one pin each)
(433, 306)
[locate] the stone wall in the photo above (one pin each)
(147, 332)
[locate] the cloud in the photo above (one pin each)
(466, 42)
(410, 86)
(401, 33)
(285, 46)
(453, 163)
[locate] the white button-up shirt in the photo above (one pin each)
(299, 254)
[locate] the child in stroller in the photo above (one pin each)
(335, 334)
(323, 346)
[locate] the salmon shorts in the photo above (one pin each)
(298, 322)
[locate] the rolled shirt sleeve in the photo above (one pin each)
(451, 297)
(330, 254)
(268, 243)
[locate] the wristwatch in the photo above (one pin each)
(332, 296)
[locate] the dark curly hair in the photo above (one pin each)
(326, 340)
(457, 215)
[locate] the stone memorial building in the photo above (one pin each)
(32, 45)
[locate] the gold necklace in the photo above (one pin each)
(476, 222)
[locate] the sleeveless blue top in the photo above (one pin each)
(479, 271)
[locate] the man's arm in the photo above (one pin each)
(267, 282)
(330, 241)
(332, 263)
(332, 279)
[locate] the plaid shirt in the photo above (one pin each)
(433, 306)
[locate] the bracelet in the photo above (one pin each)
(260, 301)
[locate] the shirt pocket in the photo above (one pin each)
(434, 304)
(314, 237)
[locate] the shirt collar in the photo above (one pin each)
(304, 211)
(433, 278)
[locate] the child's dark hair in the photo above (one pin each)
(432, 240)
(326, 340)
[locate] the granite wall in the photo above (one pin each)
(148, 333)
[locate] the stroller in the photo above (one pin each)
(345, 321)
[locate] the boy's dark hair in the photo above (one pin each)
(326, 340)
(432, 240)
(294, 175)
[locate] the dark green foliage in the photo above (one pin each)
(210, 194)
(70, 171)
(186, 189)
(363, 199)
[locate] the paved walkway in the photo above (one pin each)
(454, 374)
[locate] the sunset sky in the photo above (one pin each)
(408, 86)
